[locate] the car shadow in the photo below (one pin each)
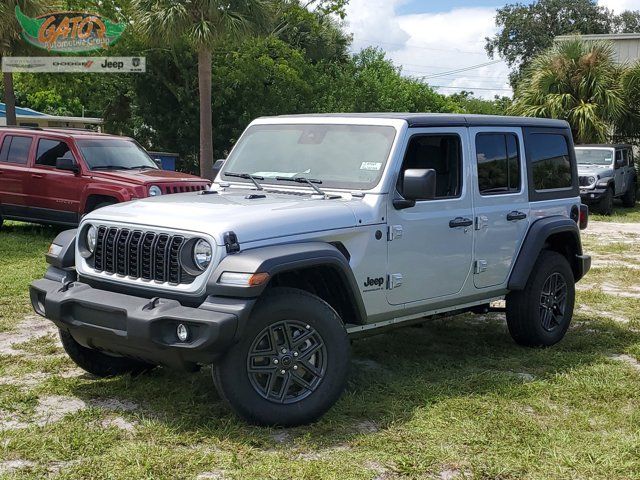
(392, 375)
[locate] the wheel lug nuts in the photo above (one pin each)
(275, 361)
(307, 327)
(284, 350)
(282, 372)
(295, 354)
(295, 367)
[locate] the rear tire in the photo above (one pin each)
(98, 363)
(629, 198)
(606, 204)
(294, 332)
(539, 315)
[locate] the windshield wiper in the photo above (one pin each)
(109, 167)
(309, 181)
(247, 176)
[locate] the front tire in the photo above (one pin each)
(290, 366)
(539, 315)
(629, 198)
(606, 204)
(98, 363)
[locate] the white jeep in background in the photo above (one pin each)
(322, 228)
(607, 172)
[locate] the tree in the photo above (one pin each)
(201, 24)
(525, 30)
(576, 81)
(10, 44)
(628, 126)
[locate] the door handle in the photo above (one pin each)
(36, 175)
(460, 222)
(515, 215)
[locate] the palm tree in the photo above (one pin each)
(10, 44)
(578, 82)
(202, 24)
(629, 125)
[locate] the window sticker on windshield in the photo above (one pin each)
(370, 166)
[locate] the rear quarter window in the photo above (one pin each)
(550, 161)
(15, 149)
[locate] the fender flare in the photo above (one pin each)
(284, 258)
(65, 257)
(539, 232)
(606, 182)
(121, 194)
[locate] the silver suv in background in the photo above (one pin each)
(607, 172)
(320, 229)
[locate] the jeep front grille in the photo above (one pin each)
(138, 254)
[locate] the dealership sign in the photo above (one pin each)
(69, 31)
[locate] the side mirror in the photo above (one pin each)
(418, 184)
(158, 162)
(217, 166)
(67, 164)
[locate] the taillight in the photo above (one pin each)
(583, 219)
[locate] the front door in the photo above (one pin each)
(501, 202)
(55, 195)
(430, 245)
(619, 173)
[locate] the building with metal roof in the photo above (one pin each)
(27, 117)
(626, 45)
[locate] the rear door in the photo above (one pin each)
(54, 195)
(501, 202)
(14, 175)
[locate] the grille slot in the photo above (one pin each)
(137, 254)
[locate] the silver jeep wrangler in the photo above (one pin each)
(320, 229)
(606, 172)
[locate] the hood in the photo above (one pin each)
(142, 177)
(276, 215)
(600, 170)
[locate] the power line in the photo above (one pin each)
(463, 69)
(471, 88)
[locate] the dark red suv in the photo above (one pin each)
(55, 176)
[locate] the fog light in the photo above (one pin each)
(183, 333)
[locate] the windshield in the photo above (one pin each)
(594, 156)
(114, 153)
(339, 156)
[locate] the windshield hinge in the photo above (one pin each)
(231, 242)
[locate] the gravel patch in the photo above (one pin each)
(213, 475)
(30, 328)
(628, 359)
(119, 423)
(11, 466)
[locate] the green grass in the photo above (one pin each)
(22, 249)
(620, 214)
(454, 394)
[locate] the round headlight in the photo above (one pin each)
(591, 180)
(92, 235)
(202, 254)
(154, 191)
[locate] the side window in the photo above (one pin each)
(498, 163)
(17, 149)
(50, 150)
(442, 153)
(550, 161)
(619, 158)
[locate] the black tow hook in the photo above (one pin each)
(66, 286)
(152, 304)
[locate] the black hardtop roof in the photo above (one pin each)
(604, 145)
(447, 119)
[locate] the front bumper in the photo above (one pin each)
(592, 195)
(136, 327)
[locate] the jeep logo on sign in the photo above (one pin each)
(374, 282)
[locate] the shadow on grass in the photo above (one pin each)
(619, 214)
(392, 376)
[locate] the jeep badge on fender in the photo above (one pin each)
(475, 209)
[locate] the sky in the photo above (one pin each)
(431, 38)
